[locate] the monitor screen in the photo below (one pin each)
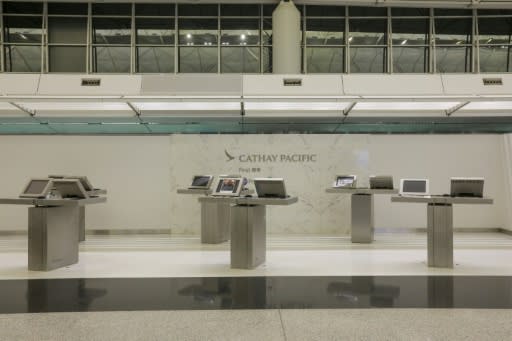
(36, 186)
(201, 181)
(228, 185)
(270, 188)
(414, 186)
(70, 188)
(381, 182)
(344, 181)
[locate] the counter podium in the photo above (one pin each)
(53, 230)
(215, 215)
(249, 230)
(440, 224)
(361, 202)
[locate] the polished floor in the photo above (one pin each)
(160, 287)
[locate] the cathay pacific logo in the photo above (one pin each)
(271, 158)
(229, 156)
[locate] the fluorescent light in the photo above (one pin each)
(64, 109)
(186, 109)
(396, 109)
(295, 109)
(486, 108)
(403, 42)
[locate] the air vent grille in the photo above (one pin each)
(493, 81)
(292, 82)
(91, 81)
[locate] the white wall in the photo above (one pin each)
(134, 170)
(142, 174)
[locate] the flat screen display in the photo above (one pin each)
(36, 187)
(270, 188)
(414, 186)
(228, 185)
(201, 181)
(344, 181)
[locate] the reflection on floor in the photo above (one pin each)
(178, 256)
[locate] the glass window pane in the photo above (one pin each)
(198, 59)
(240, 32)
(495, 59)
(410, 59)
(22, 58)
(23, 29)
(367, 59)
(67, 30)
(453, 59)
(267, 59)
(154, 9)
(452, 12)
(325, 59)
(111, 9)
(409, 12)
(325, 11)
(155, 31)
(23, 7)
(155, 59)
(494, 11)
(325, 31)
(67, 58)
(240, 60)
(111, 31)
(268, 10)
(111, 59)
(409, 31)
(198, 31)
(197, 10)
(367, 32)
(266, 34)
(240, 10)
(495, 30)
(67, 8)
(452, 31)
(355, 11)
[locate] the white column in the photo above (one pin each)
(286, 37)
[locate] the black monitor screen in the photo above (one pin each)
(36, 186)
(414, 186)
(201, 181)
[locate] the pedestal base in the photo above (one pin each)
(215, 220)
(440, 235)
(52, 237)
(248, 236)
(362, 218)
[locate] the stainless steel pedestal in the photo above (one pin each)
(440, 235)
(248, 236)
(52, 237)
(215, 220)
(362, 218)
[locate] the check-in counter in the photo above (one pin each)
(440, 224)
(361, 201)
(54, 227)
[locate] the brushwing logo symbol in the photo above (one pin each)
(230, 157)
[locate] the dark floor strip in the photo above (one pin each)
(129, 294)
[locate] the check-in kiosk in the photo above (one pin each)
(362, 220)
(53, 220)
(440, 213)
(249, 222)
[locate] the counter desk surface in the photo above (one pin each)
(52, 202)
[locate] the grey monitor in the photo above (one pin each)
(414, 187)
(345, 181)
(381, 182)
(37, 188)
(70, 188)
(270, 187)
(228, 186)
(201, 181)
(86, 184)
(467, 187)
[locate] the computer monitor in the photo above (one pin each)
(345, 181)
(467, 187)
(414, 187)
(83, 179)
(70, 188)
(201, 182)
(37, 188)
(270, 187)
(228, 186)
(381, 182)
